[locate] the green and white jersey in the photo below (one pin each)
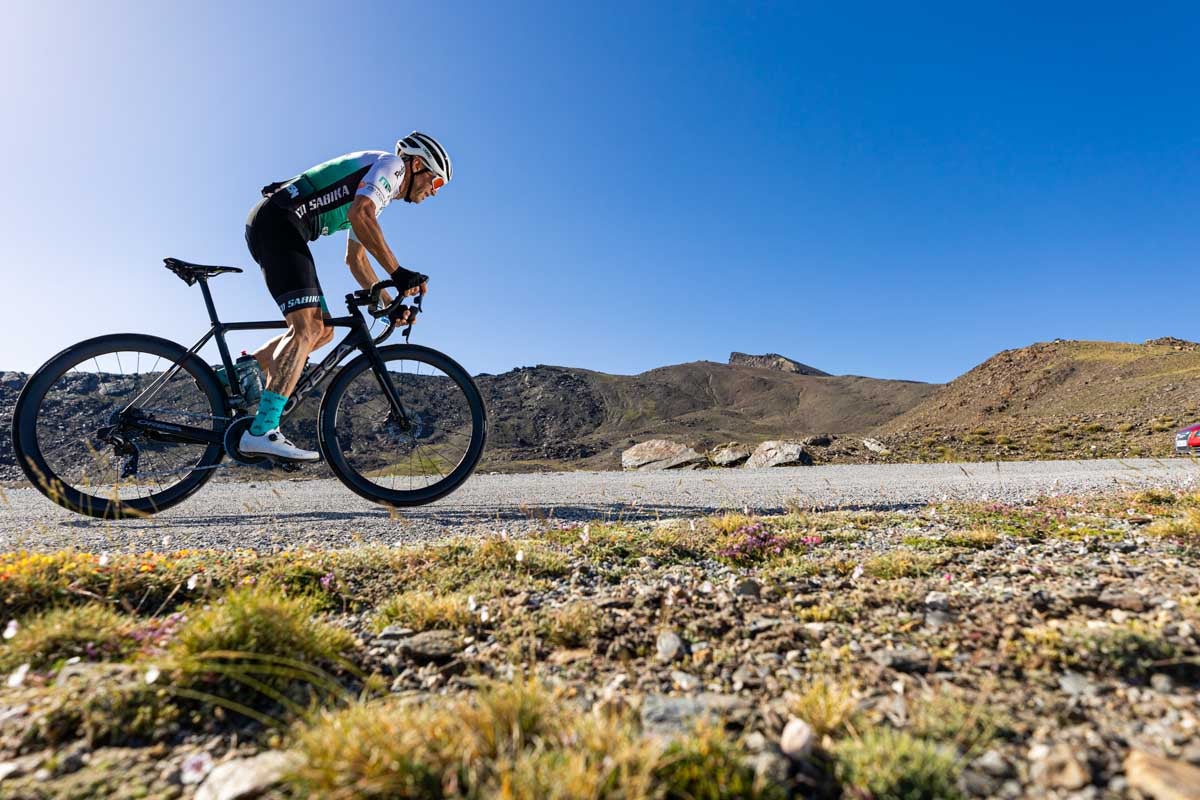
(319, 198)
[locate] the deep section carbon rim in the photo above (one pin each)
(376, 455)
(76, 448)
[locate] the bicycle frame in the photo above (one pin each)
(358, 338)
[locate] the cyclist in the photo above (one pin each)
(347, 192)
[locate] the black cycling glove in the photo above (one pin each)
(407, 279)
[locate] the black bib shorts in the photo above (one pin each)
(282, 252)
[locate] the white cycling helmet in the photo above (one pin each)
(432, 153)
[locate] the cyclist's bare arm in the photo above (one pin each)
(361, 269)
(370, 237)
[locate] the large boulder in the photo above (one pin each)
(729, 455)
(661, 454)
(780, 454)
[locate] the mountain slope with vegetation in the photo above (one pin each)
(1057, 399)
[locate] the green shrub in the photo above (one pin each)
(887, 764)
(422, 611)
(92, 632)
(255, 649)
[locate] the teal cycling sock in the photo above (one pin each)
(270, 406)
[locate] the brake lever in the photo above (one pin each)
(415, 308)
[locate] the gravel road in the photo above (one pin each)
(270, 515)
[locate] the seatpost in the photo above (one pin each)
(219, 330)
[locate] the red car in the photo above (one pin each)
(1187, 441)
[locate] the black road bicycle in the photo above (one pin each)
(129, 424)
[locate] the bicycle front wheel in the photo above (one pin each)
(77, 432)
(371, 452)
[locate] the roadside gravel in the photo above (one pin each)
(270, 514)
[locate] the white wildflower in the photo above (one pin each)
(152, 674)
(10, 630)
(195, 768)
(858, 573)
(18, 676)
(104, 559)
(191, 582)
(520, 556)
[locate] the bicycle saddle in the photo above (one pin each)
(190, 273)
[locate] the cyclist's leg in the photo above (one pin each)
(291, 277)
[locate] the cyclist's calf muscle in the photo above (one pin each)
(306, 332)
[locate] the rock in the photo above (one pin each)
(937, 601)
(1127, 601)
(746, 677)
(660, 454)
(1161, 682)
(747, 587)
(729, 455)
(431, 646)
(876, 446)
(686, 681)
(779, 454)
(796, 741)
(977, 784)
(667, 716)
(1162, 778)
(246, 777)
(20, 767)
(774, 361)
(761, 624)
(820, 440)
(994, 764)
(394, 633)
(1075, 684)
(1058, 767)
(938, 619)
(669, 646)
(903, 659)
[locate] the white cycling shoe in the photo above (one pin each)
(274, 444)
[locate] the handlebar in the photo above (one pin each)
(370, 299)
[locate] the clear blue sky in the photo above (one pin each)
(893, 190)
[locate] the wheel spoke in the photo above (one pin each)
(440, 437)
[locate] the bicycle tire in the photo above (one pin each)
(33, 463)
(358, 483)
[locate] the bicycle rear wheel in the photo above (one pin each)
(368, 451)
(73, 447)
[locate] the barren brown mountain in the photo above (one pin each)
(1057, 399)
(559, 416)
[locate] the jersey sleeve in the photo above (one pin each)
(382, 181)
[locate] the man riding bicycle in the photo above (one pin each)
(347, 192)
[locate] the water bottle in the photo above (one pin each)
(249, 376)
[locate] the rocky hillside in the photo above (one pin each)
(557, 416)
(1057, 399)
(774, 361)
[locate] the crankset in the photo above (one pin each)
(233, 435)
